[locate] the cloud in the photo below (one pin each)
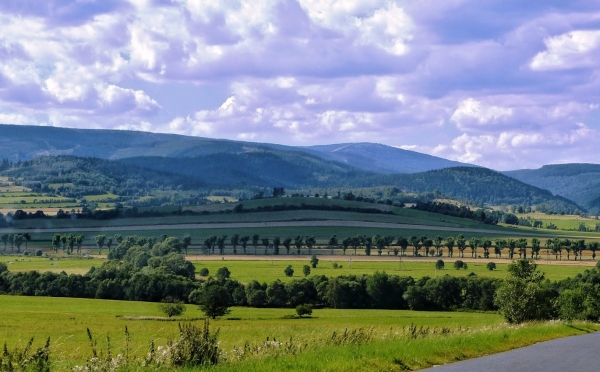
(459, 78)
(574, 49)
(471, 112)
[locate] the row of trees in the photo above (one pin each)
(421, 246)
(15, 240)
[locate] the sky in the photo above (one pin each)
(505, 84)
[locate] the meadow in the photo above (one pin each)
(391, 338)
(268, 269)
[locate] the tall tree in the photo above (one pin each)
(265, 242)
(221, 244)
(298, 241)
(18, 242)
(535, 248)
(4, 239)
(276, 244)
(403, 243)
(100, 242)
(255, 239)
(27, 238)
(186, 241)
(473, 244)
(486, 244)
(450, 245)
(438, 245)
(79, 240)
(416, 244)
(244, 240)
(235, 240)
(461, 244)
(332, 243)
(55, 242)
(287, 243)
(593, 246)
(310, 243)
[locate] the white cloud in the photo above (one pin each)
(570, 50)
(471, 112)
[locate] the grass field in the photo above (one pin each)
(265, 270)
(269, 271)
(65, 321)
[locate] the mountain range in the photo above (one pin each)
(238, 164)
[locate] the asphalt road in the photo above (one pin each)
(576, 353)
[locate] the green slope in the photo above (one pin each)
(578, 182)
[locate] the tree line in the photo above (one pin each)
(144, 269)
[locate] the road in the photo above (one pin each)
(576, 353)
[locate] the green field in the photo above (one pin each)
(270, 270)
(65, 321)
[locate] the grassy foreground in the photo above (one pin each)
(387, 343)
(407, 353)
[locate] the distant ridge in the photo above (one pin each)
(22, 142)
(579, 182)
(383, 159)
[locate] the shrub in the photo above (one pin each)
(491, 266)
(336, 266)
(306, 270)
(598, 265)
(459, 264)
(171, 307)
(289, 271)
(314, 261)
(439, 264)
(304, 309)
(38, 252)
(223, 273)
(204, 271)
(195, 346)
(27, 359)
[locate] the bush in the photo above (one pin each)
(302, 310)
(491, 266)
(204, 271)
(314, 261)
(171, 307)
(336, 266)
(289, 271)
(306, 270)
(223, 273)
(26, 359)
(38, 252)
(439, 264)
(195, 346)
(598, 265)
(459, 264)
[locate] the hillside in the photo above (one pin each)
(381, 158)
(483, 186)
(27, 142)
(259, 168)
(578, 182)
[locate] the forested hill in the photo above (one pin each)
(75, 177)
(578, 182)
(18, 142)
(249, 172)
(382, 159)
(259, 168)
(484, 186)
